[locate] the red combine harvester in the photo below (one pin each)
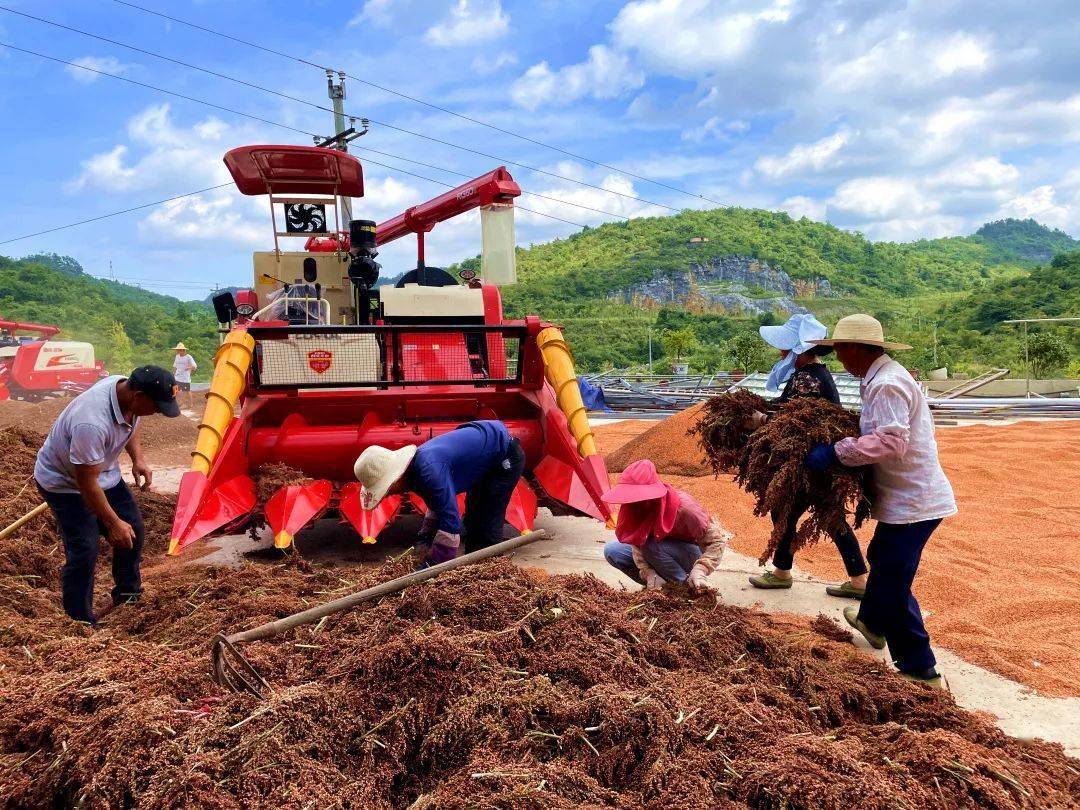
(318, 363)
(36, 368)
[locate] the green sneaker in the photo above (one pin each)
(770, 582)
(846, 591)
(873, 639)
(936, 682)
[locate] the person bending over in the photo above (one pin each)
(479, 458)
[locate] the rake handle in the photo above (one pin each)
(275, 628)
(18, 524)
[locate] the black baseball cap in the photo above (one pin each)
(159, 385)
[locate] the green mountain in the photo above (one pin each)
(1022, 242)
(126, 324)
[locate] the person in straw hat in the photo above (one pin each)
(183, 365)
(479, 458)
(911, 493)
(802, 374)
(662, 533)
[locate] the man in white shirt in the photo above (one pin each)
(911, 493)
(183, 365)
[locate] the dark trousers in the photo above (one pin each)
(80, 530)
(889, 608)
(486, 502)
(846, 543)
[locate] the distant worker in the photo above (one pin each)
(911, 493)
(479, 458)
(183, 365)
(802, 374)
(78, 475)
(663, 534)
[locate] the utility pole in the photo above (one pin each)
(649, 328)
(337, 96)
(935, 346)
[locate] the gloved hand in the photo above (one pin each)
(821, 457)
(444, 547)
(699, 580)
(654, 582)
(427, 527)
(754, 421)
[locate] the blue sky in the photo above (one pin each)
(898, 119)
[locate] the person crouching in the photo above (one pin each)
(663, 534)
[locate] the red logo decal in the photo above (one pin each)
(61, 360)
(320, 360)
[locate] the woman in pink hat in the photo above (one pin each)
(664, 535)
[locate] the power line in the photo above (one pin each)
(424, 103)
(158, 89)
(284, 96)
(312, 104)
(114, 214)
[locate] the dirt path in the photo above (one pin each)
(999, 581)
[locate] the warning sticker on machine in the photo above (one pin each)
(320, 360)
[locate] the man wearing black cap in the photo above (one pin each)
(78, 475)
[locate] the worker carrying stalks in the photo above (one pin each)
(479, 458)
(663, 534)
(802, 374)
(911, 493)
(78, 475)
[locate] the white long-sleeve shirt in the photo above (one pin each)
(898, 439)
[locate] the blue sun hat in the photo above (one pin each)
(796, 336)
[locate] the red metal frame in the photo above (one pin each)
(322, 430)
(18, 375)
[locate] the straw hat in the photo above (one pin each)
(179, 347)
(860, 329)
(378, 469)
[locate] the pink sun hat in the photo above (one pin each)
(638, 482)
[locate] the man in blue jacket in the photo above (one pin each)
(478, 458)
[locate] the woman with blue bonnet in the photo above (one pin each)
(802, 374)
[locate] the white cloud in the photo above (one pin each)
(379, 13)
(204, 218)
(801, 206)
(980, 173)
(1041, 204)
(906, 229)
(608, 207)
(689, 37)
(169, 157)
(470, 22)
(803, 158)
(716, 127)
(485, 65)
(882, 198)
(104, 64)
(909, 58)
(606, 74)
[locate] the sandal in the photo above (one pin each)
(872, 638)
(846, 591)
(770, 582)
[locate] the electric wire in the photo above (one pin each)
(424, 103)
(114, 214)
(323, 108)
(157, 89)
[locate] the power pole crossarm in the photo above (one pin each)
(337, 96)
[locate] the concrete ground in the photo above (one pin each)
(574, 546)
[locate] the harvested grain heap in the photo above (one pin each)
(720, 427)
(665, 445)
(487, 687)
